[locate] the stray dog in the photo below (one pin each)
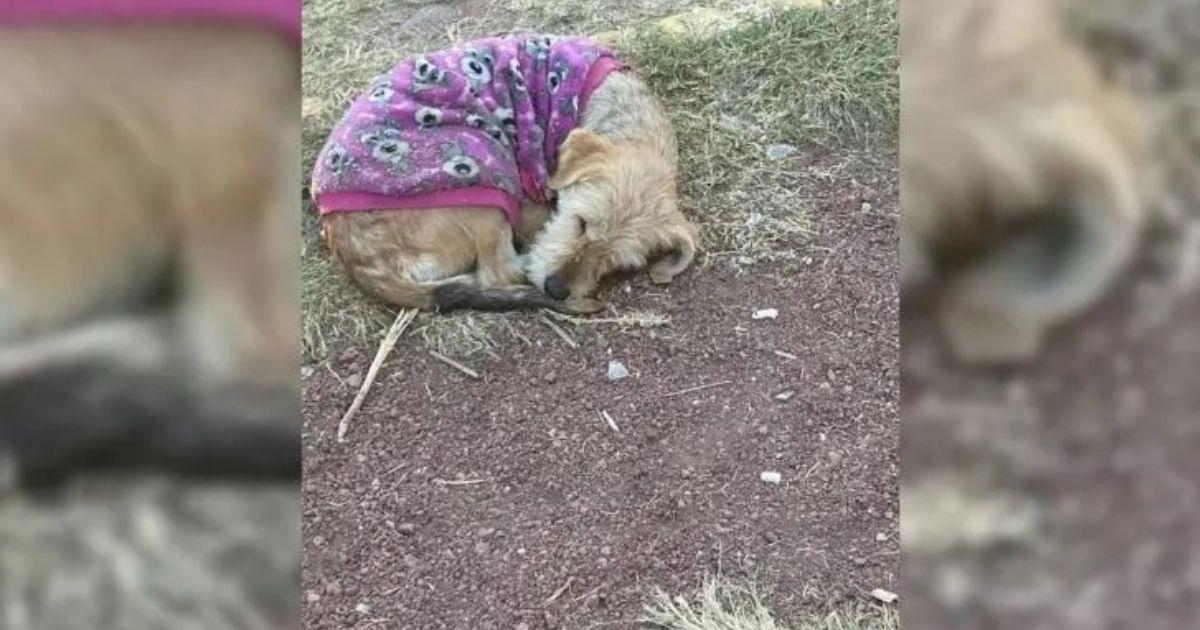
(446, 159)
(148, 307)
(1017, 172)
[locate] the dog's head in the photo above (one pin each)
(617, 209)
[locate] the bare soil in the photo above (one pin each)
(509, 500)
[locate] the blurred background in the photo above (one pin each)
(1063, 490)
(149, 413)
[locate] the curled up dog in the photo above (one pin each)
(452, 156)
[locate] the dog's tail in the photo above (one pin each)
(463, 292)
(68, 419)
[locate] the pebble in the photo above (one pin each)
(406, 528)
(884, 595)
(770, 476)
(765, 313)
(617, 371)
(785, 395)
(779, 151)
(484, 532)
(482, 547)
(881, 537)
(306, 371)
(605, 550)
(362, 608)
(550, 377)
(355, 380)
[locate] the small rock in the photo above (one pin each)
(484, 532)
(884, 595)
(779, 151)
(318, 541)
(785, 395)
(408, 529)
(482, 547)
(522, 626)
(312, 597)
(306, 371)
(550, 377)
(355, 380)
(617, 371)
(881, 537)
(865, 207)
(605, 550)
(770, 476)
(362, 608)
(765, 313)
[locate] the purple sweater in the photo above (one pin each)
(476, 125)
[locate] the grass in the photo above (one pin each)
(817, 80)
(724, 605)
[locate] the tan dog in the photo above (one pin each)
(148, 300)
(1018, 176)
(617, 207)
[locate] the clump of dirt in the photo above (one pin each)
(512, 499)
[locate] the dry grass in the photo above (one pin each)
(806, 78)
(724, 605)
(149, 554)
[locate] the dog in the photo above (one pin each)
(556, 145)
(149, 312)
(1019, 173)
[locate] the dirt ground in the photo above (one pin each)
(460, 503)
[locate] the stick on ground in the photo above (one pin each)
(454, 364)
(695, 389)
(567, 339)
(403, 319)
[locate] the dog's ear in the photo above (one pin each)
(681, 251)
(581, 157)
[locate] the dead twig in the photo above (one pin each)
(562, 589)
(574, 345)
(454, 364)
(695, 389)
(609, 419)
(786, 355)
(403, 319)
(458, 482)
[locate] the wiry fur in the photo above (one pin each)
(1018, 172)
(618, 204)
(147, 248)
(448, 258)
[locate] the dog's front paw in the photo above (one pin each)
(583, 305)
(661, 276)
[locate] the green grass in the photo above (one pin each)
(814, 79)
(726, 605)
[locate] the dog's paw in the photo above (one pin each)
(661, 276)
(583, 305)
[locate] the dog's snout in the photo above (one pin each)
(556, 288)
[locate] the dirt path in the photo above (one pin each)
(550, 495)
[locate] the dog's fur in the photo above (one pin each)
(1018, 172)
(148, 221)
(616, 207)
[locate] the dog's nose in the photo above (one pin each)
(556, 288)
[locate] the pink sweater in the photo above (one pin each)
(278, 15)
